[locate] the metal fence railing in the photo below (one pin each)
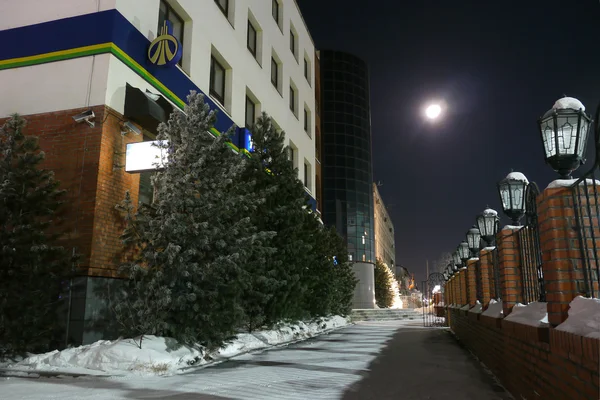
(587, 214)
(531, 253)
(495, 275)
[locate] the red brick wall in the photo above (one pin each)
(509, 262)
(82, 158)
(561, 254)
(532, 363)
(487, 278)
(472, 281)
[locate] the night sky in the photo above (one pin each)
(498, 65)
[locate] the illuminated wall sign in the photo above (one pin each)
(247, 142)
(145, 156)
(165, 50)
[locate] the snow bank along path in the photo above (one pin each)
(164, 356)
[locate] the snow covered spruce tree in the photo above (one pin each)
(193, 242)
(31, 266)
(384, 290)
(276, 288)
(331, 288)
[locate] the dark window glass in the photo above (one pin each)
(305, 120)
(250, 112)
(251, 41)
(292, 100)
(274, 72)
(306, 70)
(275, 11)
(293, 43)
(306, 175)
(166, 13)
(217, 80)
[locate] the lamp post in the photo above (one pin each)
(487, 222)
(474, 240)
(463, 251)
(512, 195)
(565, 129)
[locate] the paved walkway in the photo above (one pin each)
(385, 360)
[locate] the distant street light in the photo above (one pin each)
(487, 222)
(474, 240)
(512, 195)
(456, 259)
(463, 251)
(564, 130)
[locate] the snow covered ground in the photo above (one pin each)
(322, 368)
(163, 356)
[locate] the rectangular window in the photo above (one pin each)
(292, 155)
(166, 13)
(293, 43)
(292, 99)
(251, 42)
(306, 121)
(306, 176)
(217, 81)
(224, 6)
(274, 72)
(306, 69)
(250, 112)
(275, 10)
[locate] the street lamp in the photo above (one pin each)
(474, 240)
(487, 222)
(463, 251)
(512, 195)
(564, 130)
(456, 259)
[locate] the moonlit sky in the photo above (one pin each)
(497, 65)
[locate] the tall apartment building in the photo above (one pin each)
(83, 73)
(347, 168)
(385, 247)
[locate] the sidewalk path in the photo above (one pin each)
(381, 360)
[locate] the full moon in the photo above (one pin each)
(433, 111)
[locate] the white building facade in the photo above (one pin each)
(246, 44)
(83, 72)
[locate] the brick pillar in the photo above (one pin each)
(472, 281)
(463, 286)
(562, 260)
(509, 265)
(487, 279)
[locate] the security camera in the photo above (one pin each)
(129, 127)
(86, 117)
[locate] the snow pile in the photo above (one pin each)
(562, 183)
(584, 318)
(158, 355)
(494, 309)
(568, 102)
(532, 314)
(477, 309)
(465, 307)
(164, 356)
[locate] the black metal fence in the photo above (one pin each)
(479, 281)
(531, 253)
(434, 315)
(587, 214)
(495, 274)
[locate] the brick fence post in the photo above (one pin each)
(462, 275)
(485, 264)
(472, 280)
(509, 265)
(562, 260)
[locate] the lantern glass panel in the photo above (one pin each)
(474, 238)
(489, 226)
(505, 195)
(517, 193)
(464, 250)
(456, 257)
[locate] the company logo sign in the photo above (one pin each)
(165, 50)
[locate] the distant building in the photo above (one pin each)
(347, 168)
(385, 247)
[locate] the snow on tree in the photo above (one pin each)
(442, 262)
(387, 293)
(276, 289)
(191, 245)
(331, 280)
(31, 265)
